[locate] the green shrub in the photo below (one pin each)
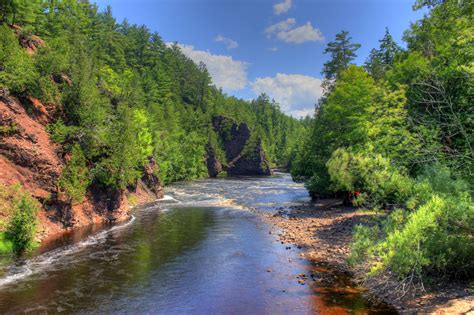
(8, 129)
(58, 131)
(363, 244)
(17, 68)
(6, 246)
(434, 238)
(75, 176)
(22, 226)
(370, 174)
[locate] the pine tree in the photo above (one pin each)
(341, 52)
(388, 49)
(374, 65)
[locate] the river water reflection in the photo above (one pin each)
(197, 251)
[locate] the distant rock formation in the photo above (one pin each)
(244, 153)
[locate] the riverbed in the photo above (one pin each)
(202, 249)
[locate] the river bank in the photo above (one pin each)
(323, 232)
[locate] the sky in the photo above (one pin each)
(268, 46)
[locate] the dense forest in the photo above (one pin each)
(396, 135)
(122, 95)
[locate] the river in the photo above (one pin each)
(199, 250)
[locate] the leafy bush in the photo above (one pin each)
(10, 196)
(22, 226)
(434, 238)
(370, 174)
(431, 235)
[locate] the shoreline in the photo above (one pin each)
(323, 231)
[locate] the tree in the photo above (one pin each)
(380, 60)
(374, 64)
(17, 70)
(22, 12)
(388, 49)
(341, 52)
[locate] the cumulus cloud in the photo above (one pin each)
(280, 27)
(287, 32)
(227, 73)
(301, 34)
(282, 7)
(229, 43)
(296, 93)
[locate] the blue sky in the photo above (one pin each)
(271, 46)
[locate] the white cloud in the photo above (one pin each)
(227, 73)
(280, 27)
(296, 93)
(287, 32)
(273, 49)
(304, 33)
(282, 7)
(229, 43)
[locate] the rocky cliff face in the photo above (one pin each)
(29, 157)
(244, 155)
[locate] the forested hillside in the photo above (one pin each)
(396, 135)
(119, 97)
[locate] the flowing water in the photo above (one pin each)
(198, 250)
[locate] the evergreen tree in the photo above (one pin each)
(341, 52)
(374, 64)
(388, 49)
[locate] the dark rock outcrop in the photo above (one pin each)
(214, 166)
(151, 180)
(251, 163)
(244, 154)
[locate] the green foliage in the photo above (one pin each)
(431, 234)
(16, 66)
(6, 246)
(58, 131)
(433, 239)
(130, 144)
(75, 176)
(8, 129)
(181, 158)
(400, 136)
(22, 226)
(370, 174)
(342, 52)
(125, 95)
(381, 60)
